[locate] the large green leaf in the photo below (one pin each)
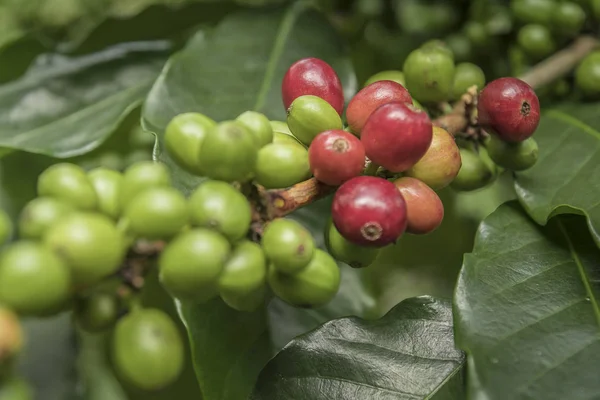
(565, 179)
(68, 106)
(527, 308)
(229, 348)
(239, 66)
(407, 354)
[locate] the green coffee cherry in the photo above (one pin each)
(157, 213)
(533, 11)
(69, 183)
(33, 280)
(536, 41)
(6, 227)
(514, 156)
(249, 301)
(461, 47)
(141, 176)
(97, 312)
(390, 75)
(313, 286)
(258, 125)
(310, 115)
(587, 75)
(147, 349)
(288, 245)
(139, 138)
(280, 126)
(184, 137)
(40, 214)
(429, 73)
(281, 165)
(476, 171)
(347, 252)
(244, 275)
(284, 138)
(438, 45)
(15, 389)
(568, 18)
(90, 245)
(110, 160)
(466, 75)
(228, 152)
(137, 156)
(107, 184)
(478, 35)
(190, 265)
(218, 205)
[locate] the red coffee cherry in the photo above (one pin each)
(371, 97)
(369, 211)
(396, 136)
(336, 156)
(510, 108)
(312, 76)
(425, 210)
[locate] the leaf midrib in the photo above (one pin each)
(581, 269)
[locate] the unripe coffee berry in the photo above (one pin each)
(424, 208)
(369, 211)
(69, 183)
(514, 156)
(312, 76)
(40, 214)
(310, 115)
(536, 41)
(587, 75)
(347, 252)
(429, 73)
(288, 245)
(440, 164)
(107, 184)
(258, 125)
(396, 136)
(467, 75)
(476, 172)
(510, 108)
(6, 227)
(371, 97)
(390, 75)
(280, 165)
(336, 156)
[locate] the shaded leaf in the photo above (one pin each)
(407, 354)
(239, 66)
(68, 106)
(527, 308)
(565, 176)
(229, 348)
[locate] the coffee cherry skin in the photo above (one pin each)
(510, 108)
(6, 227)
(219, 206)
(476, 171)
(514, 156)
(424, 208)
(429, 73)
(347, 252)
(312, 76)
(336, 156)
(258, 125)
(313, 286)
(147, 349)
(40, 214)
(190, 265)
(568, 18)
(141, 176)
(280, 126)
(369, 211)
(33, 280)
(467, 75)
(533, 11)
(396, 136)
(440, 164)
(288, 245)
(370, 98)
(89, 243)
(183, 138)
(284, 138)
(536, 41)
(389, 75)
(107, 184)
(157, 213)
(69, 183)
(96, 312)
(587, 75)
(280, 165)
(310, 115)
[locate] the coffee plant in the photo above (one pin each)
(296, 199)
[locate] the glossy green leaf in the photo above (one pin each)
(527, 308)
(229, 348)
(565, 178)
(407, 354)
(238, 67)
(68, 106)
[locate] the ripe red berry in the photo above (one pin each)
(369, 211)
(425, 210)
(396, 136)
(369, 98)
(336, 156)
(312, 76)
(510, 108)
